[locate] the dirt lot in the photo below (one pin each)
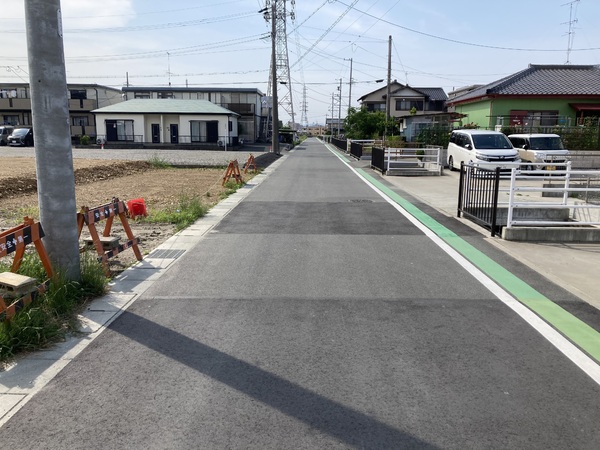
(98, 181)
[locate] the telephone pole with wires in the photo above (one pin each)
(276, 12)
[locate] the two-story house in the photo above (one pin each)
(15, 105)
(413, 107)
(249, 103)
(404, 99)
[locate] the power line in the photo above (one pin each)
(455, 41)
(161, 26)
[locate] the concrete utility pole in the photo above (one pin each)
(389, 88)
(339, 107)
(350, 87)
(52, 134)
(389, 80)
(275, 114)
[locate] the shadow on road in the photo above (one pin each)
(352, 427)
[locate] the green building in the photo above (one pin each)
(538, 98)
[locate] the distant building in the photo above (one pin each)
(404, 99)
(249, 103)
(198, 123)
(333, 124)
(15, 105)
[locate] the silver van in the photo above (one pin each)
(541, 148)
(5, 132)
(481, 146)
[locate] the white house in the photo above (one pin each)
(250, 103)
(167, 121)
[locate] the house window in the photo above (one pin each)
(119, 130)
(201, 95)
(141, 95)
(376, 107)
(534, 118)
(80, 121)
(406, 105)
(165, 95)
(78, 94)
(198, 131)
(11, 120)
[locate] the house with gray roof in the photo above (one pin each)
(250, 103)
(404, 98)
(537, 98)
(198, 123)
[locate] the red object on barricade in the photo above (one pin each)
(137, 207)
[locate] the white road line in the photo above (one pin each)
(584, 362)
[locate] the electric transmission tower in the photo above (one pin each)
(304, 117)
(276, 11)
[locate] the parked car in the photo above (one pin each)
(481, 146)
(5, 131)
(541, 148)
(22, 137)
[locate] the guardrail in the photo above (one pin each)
(398, 159)
(534, 195)
(575, 192)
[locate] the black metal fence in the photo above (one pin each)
(378, 159)
(339, 143)
(478, 196)
(356, 150)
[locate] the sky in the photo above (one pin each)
(211, 43)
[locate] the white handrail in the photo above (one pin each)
(567, 178)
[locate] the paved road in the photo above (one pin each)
(317, 315)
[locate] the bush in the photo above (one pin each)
(439, 136)
(85, 140)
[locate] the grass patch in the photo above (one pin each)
(231, 187)
(159, 163)
(15, 216)
(182, 216)
(52, 315)
(189, 209)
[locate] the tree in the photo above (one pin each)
(363, 124)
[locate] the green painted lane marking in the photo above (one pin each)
(580, 333)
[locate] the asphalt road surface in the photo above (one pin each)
(315, 315)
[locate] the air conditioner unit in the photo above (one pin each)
(100, 141)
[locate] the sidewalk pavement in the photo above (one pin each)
(573, 266)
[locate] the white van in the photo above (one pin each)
(481, 146)
(541, 148)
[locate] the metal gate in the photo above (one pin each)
(478, 196)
